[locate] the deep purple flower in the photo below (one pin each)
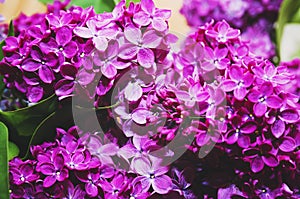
(264, 98)
(43, 63)
(91, 178)
(54, 170)
(24, 173)
(61, 44)
(260, 156)
(240, 132)
(73, 192)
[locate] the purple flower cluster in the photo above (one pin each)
(214, 99)
(46, 55)
(255, 18)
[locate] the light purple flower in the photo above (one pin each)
(139, 45)
(238, 83)
(223, 32)
(215, 59)
(99, 36)
(150, 14)
(152, 175)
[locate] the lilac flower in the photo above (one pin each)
(43, 63)
(223, 32)
(260, 156)
(215, 59)
(138, 192)
(140, 45)
(240, 132)
(62, 44)
(263, 99)
(108, 62)
(238, 83)
(99, 37)
(114, 188)
(24, 174)
(150, 14)
(73, 192)
(152, 174)
(91, 178)
(54, 170)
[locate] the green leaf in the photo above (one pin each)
(13, 150)
(100, 6)
(46, 1)
(127, 1)
(4, 184)
(287, 10)
(46, 130)
(23, 122)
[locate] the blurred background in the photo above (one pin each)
(12, 8)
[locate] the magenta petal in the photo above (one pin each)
(289, 116)
(109, 70)
(145, 57)
(35, 94)
(240, 93)
(202, 139)
(84, 78)
(278, 128)
(100, 43)
(141, 18)
(133, 34)
(133, 91)
(254, 96)
(270, 160)
(68, 71)
(91, 189)
(49, 181)
(259, 109)
(236, 73)
(248, 127)
(140, 115)
(244, 141)
(232, 136)
(128, 51)
(141, 166)
(70, 49)
(83, 32)
(30, 65)
(159, 24)
(148, 6)
(287, 145)
(64, 88)
(228, 85)
(274, 102)
(257, 164)
(183, 95)
(151, 39)
(162, 184)
(46, 74)
(266, 88)
(63, 35)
